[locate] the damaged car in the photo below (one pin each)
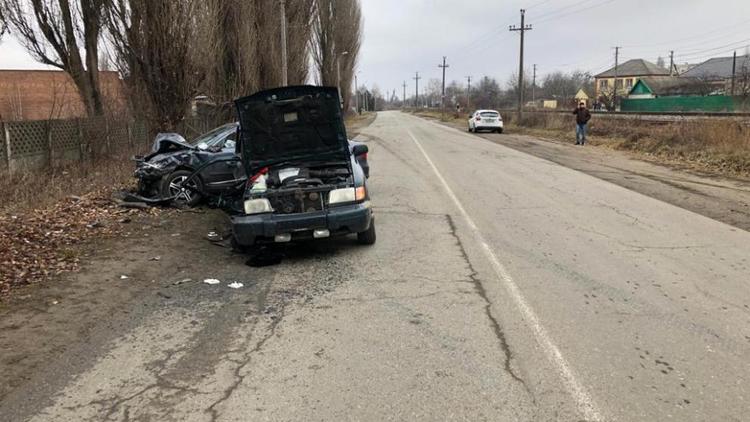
(166, 172)
(304, 180)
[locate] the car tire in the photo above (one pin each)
(368, 236)
(470, 130)
(499, 130)
(188, 197)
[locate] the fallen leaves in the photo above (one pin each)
(37, 245)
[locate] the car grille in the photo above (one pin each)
(299, 201)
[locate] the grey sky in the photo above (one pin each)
(404, 36)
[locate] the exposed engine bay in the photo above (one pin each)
(292, 190)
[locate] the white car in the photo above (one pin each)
(486, 120)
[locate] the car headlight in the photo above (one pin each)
(339, 196)
(257, 206)
(155, 165)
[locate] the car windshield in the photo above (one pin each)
(214, 137)
(489, 114)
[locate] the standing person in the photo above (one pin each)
(582, 118)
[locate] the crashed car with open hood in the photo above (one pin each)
(303, 180)
(185, 172)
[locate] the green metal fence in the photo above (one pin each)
(711, 103)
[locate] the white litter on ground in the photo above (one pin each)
(123, 277)
(236, 285)
(211, 281)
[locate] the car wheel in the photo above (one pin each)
(367, 237)
(470, 129)
(172, 186)
(500, 130)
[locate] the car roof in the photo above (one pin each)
(482, 111)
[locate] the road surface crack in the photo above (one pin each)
(480, 290)
(238, 377)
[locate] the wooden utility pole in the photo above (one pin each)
(468, 93)
(533, 86)
(522, 29)
(734, 71)
(614, 96)
(403, 103)
(442, 99)
(284, 79)
(416, 98)
(671, 63)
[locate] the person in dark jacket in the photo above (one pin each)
(583, 115)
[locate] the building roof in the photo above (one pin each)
(662, 86)
(717, 68)
(634, 67)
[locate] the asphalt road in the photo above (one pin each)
(502, 287)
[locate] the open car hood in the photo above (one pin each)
(295, 123)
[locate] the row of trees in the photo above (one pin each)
(169, 51)
(488, 92)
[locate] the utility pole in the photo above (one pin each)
(468, 93)
(442, 99)
(403, 103)
(671, 63)
(614, 97)
(533, 86)
(416, 99)
(284, 79)
(522, 29)
(734, 71)
(356, 92)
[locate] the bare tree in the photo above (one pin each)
(159, 50)
(245, 42)
(337, 29)
(55, 32)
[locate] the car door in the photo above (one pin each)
(224, 172)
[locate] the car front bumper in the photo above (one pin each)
(263, 228)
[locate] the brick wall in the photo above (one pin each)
(51, 94)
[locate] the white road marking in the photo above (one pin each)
(583, 400)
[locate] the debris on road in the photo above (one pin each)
(155, 258)
(235, 285)
(211, 281)
(183, 281)
(124, 277)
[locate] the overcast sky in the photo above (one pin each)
(404, 36)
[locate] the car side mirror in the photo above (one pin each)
(358, 150)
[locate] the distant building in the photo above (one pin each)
(51, 94)
(628, 74)
(668, 86)
(719, 71)
(675, 94)
(582, 96)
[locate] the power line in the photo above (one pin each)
(549, 18)
(562, 9)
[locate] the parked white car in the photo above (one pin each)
(486, 120)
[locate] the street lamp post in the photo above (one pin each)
(338, 76)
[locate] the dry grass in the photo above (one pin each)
(30, 190)
(718, 146)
